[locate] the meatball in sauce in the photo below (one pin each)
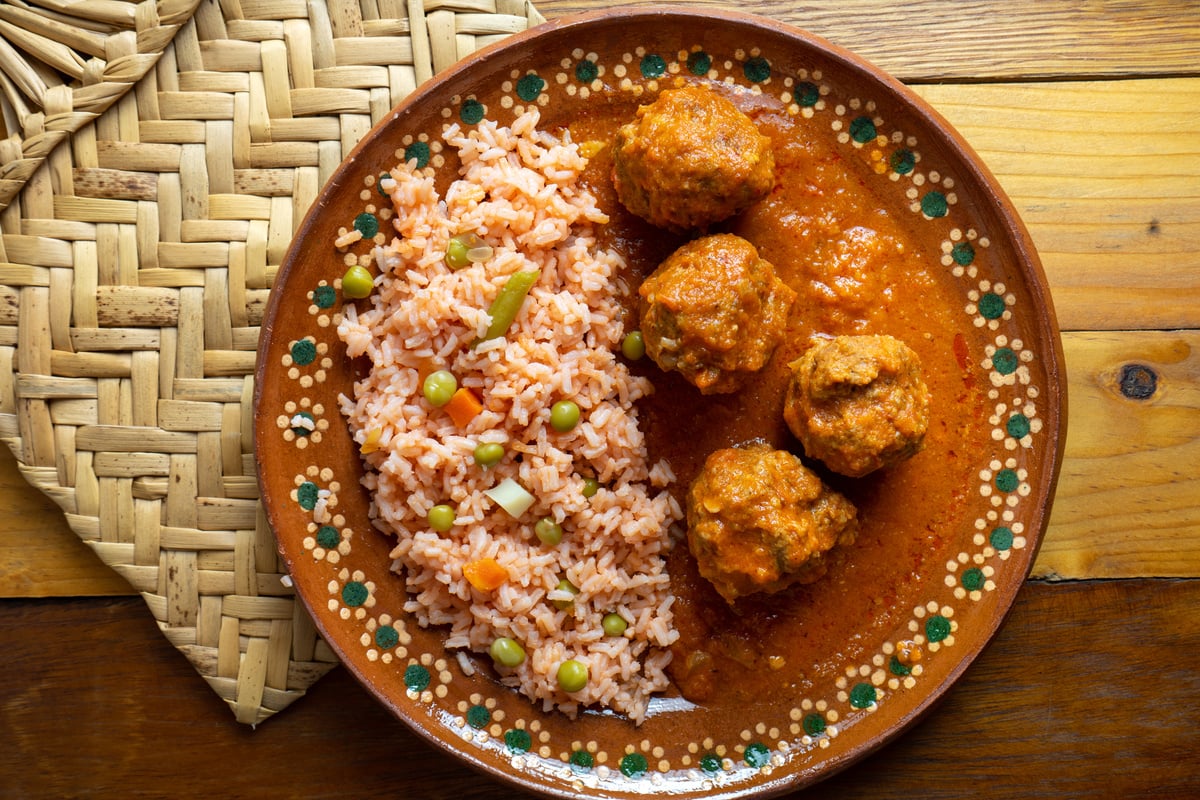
(691, 159)
(714, 312)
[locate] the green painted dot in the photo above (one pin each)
(379, 183)
(387, 637)
(1007, 480)
(710, 763)
(757, 69)
(366, 224)
(586, 71)
(898, 667)
(814, 724)
(324, 296)
(304, 352)
(902, 161)
(519, 741)
(634, 765)
(303, 430)
(417, 678)
(306, 495)
(934, 205)
(862, 695)
(991, 306)
(471, 112)
(1005, 361)
(1017, 426)
(699, 63)
(582, 759)
(478, 717)
(963, 253)
(862, 130)
(972, 579)
(937, 628)
(1001, 538)
(354, 593)
(419, 152)
(807, 94)
(328, 537)
(530, 86)
(757, 755)
(652, 66)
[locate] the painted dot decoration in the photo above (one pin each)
(1001, 538)
(417, 152)
(387, 637)
(634, 765)
(937, 628)
(355, 593)
(518, 740)
(699, 63)
(757, 69)
(1007, 480)
(324, 296)
(934, 205)
(652, 66)
(417, 678)
(1005, 361)
(304, 352)
(328, 537)
(863, 129)
(471, 112)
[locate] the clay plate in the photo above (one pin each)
(855, 698)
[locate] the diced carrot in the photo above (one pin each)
(463, 407)
(485, 574)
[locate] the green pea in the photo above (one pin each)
(357, 283)
(633, 346)
(572, 675)
(590, 487)
(488, 454)
(507, 652)
(565, 586)
(456, 253)
(564, 415)
(614, 624)
(439, 387)
(548, 531)
(441, 518)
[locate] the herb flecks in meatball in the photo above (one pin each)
(714, 312)
(858, 403)
(691, 159)
(760, 521)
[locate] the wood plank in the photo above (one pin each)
(141, 727)
(1129, 488)
(932, 40)
(40, 556)
(1107, 178)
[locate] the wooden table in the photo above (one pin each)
(1087, 113)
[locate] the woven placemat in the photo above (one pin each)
(135, 266)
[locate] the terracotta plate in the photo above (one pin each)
(969, 544)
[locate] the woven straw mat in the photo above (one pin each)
(135, 266)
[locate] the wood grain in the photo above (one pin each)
(1129, 492)
(932, 40)
(1106, 175)
(78, 712)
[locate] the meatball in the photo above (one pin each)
(714, 311)
(760, 521)
(858, 403)
(690, 159)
